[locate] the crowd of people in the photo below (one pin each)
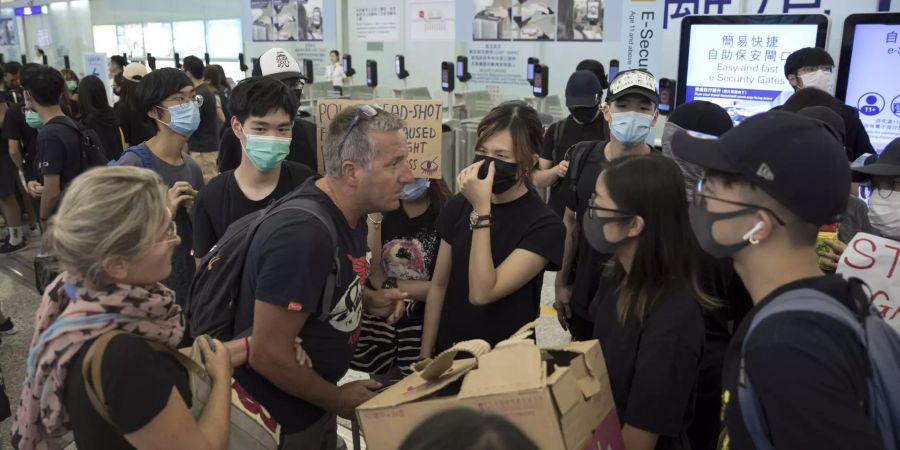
(672, 258)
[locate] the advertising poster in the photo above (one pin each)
(876, 52)
(375, 21)
(95, 64)
(423, 129)
(491, 21)
(580, 20)
(642, 35)
(431, 20)
(874, 260)
(286, 20)
(501, 20)
(741, 67)
(8, 35)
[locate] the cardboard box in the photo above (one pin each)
(559, 397)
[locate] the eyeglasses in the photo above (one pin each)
(182, 99)
(699, 199)
(592, 211)
(809, 69)
(171, 234)
(364, 111)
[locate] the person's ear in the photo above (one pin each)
(607, 114)
(762, 229)
(237, 128)
(655, 116)
(115, 268)
(636, 227)
(795, 81)
(350, 173)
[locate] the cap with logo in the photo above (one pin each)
(583, 89)
(634, 81)
(793, 159)
(887, 164)
(134, 72)
(279, 64)
(705, 117)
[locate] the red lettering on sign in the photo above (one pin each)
(896, 257)
(253, 407)
(856, 246)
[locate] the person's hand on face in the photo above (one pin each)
(475, 190)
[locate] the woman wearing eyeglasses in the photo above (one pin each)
(651, 327)
(166, 99)
(497, 238)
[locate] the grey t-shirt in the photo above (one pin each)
(206, 138)
(182, 260)
(855, 220)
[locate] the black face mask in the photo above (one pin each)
(702, 222)
(506, 174)
(585, 115)
(593, 232)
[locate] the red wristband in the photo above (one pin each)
(247, 349)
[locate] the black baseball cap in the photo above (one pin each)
(792, 158)
(705, 117)
(634, 81)
(887, 164)
(583, 89)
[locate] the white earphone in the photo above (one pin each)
(749, 236)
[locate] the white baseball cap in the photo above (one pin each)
(134, 72)
(279, 64)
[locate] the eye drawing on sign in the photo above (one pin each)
(430, 167)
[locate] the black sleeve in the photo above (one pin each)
(303, 146)
(299, 173)
(229, 151)
(204, 232)
(11, 124)
(667, 365)
(546, 238)
(52, 150)
(136, 381)
(857, 137)
(286, 276)
(549, 143)
(810, 376)
(447, 222)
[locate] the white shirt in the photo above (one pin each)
(335, 73)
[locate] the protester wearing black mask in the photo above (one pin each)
(496, 217)
(585, 123)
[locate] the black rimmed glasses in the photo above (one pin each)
(699, 199)
(593, 209)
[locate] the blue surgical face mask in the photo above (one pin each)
(630, 127)
(183, 119)
(267, 152)
(415, 190)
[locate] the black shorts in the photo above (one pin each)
(9, 176)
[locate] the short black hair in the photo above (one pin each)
(335, 53)
(156, 87)
(12, 68)
(258, 96)
(469, 429)
(596, 67)
(120, 60)
(806, 97)
(805, 57)
(194, 66)
(44, 84)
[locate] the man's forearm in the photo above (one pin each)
(49, 199)
(562, 276)
(298, 381)
(545, 177)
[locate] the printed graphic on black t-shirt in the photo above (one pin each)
(287, 265)
(410, 246)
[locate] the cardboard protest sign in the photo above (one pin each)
(875, 260)
(423, 129)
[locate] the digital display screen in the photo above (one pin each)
(538, 84)
(876, 53)
(397, 68)
(445, 79)
(530, 71)
(613, 71)
(346, 65)
(740, 67)
(460, 69)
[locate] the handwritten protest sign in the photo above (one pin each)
(875, 261)
(423, 129)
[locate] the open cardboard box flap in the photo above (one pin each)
(509, 368)
(414, 387)
(586, 360)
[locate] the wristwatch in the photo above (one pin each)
(477, 221)
(389, 283)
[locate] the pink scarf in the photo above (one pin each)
(69, 316)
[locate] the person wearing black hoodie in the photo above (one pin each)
(96, 114)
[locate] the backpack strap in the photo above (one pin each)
(808, 300)
(558, 133)
(144, 154)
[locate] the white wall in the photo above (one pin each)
(64, 31)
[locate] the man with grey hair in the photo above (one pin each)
(288, 264)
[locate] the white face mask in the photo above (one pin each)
(820, 79)
(884, 213)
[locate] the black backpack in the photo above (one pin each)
(216, 287)
(92, 154)
(578, 155)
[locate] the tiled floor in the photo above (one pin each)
(19, 300)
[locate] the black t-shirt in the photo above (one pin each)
(59, 151)
(810, 374)
(525, 223)
(409, 245)
(15, 129)
(587, 263)
(135, 126)
(572, 133)
(221, 202)
(106, 125)
(206, 138)
(287, 265)
(654, 366)
(136, 381)
(857, 139)
(303, 147)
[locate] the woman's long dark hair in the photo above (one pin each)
(92, 97)
(438, 194)
(652, 187)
